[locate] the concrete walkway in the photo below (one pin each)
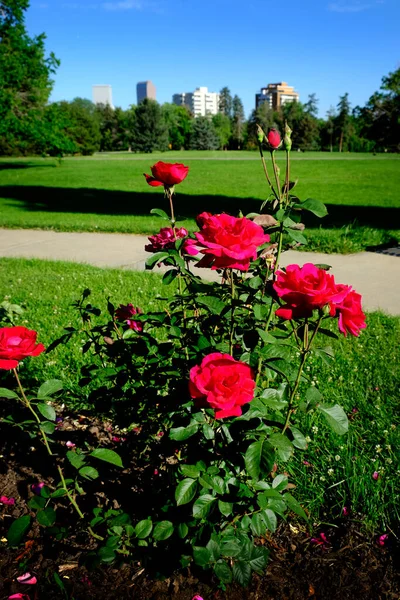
(375, 276)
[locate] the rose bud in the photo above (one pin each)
(287, 140)
(274, 139)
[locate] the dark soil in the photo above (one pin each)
(350, 566)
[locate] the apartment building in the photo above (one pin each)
(145, 89)
(201, 102)
(276, 94)
(102, 94)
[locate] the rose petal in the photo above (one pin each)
(7, 501)
(27, 579)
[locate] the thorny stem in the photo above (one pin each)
(278, 184)
(69, 495)
(232, 313)
(29, 405)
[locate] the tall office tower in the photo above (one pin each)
(102, 94)
(145, 89)
(276, 94)
(201, 102)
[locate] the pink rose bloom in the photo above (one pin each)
(306, 288)
(166, 239)
(228, 242)
(16, 343)
(166, 174)
(125, 312)
(274, 138)
(223, 383)
(351, 316)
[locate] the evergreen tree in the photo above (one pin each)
(84, 126)
(150, 129)
(203, 136)
(178, 120)
(225, 102)
(223, 129)
(25, 80)
(238, 122)
(311, 106)
(343, 121)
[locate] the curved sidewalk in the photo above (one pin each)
(375, 276)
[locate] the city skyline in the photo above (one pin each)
(322, 47)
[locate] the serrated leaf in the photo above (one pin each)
(190, 471)
(183, 530)
(242, 573)
(283, 446)
(5, 393)
(160, 213)
(76, 460)
(270, 519)
(313, 396)
(317, 207)
(108, 456)
(46, 517)
(225, 508)
(88, 473)
(186, 491)
(280, 482)
(50, 387)
(47, 411)
(299, 441)
(106, 554)
(163, 530)
(201, 556)
(180, 434)
(37, 502)
(223, 571)
(169, 276)
(297, 236)
(48, 427)
(202, 506)
(259, 459)
(259, 558)
(257, 525)
(143, 529)
(18, 529)
(208, 432)
(214, 304)
(155, 258)
(336, 418)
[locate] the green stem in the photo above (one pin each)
(264, 164)
(287, 177)
(232, 313)
(29, 405)
(278, 183)
(169, 193)
(69, 495)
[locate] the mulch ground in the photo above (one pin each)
(350, 566)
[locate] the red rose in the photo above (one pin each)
(306, 288)
(351, 316)
(16, 343)
(230, 242)
(125, 312)
(223, 383)
(274, 139)
(167, 174)
(166, 239)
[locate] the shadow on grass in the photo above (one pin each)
(5, 166)
(114, 202)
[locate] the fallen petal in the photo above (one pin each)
(7, 501)
(36, 488)
(19, 596)
(70, 445)
(27, 579)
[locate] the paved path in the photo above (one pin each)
(375, 276)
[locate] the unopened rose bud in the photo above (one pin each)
(274, 139)
(260, 135)
(287, 140)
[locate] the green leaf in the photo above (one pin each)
(336, 418)
(76, 460)
(317, 207)
(47, 411)
(257, 525)
(270, 519)
(185, 491)
(89, 473)
(313, 396)
(297, 236)
(259, 459)
(155, 258)
(48, 427)
(223, 571)
(179, 434)
(295, 506)
(37, 502)
(190, 471)
(183, 530)
(242, 572)
(46, 517)
(218, 484)
(159, 213)
(18, 529)
(259, 558)
(58, 493)
(201, 556)
(202, 506)
(225, 508)
(299, 441)
(49, 388)
(282, 444)
(106, 554)
(163, 530)
(143, 529)
(5, 393)
(280, 483)
(214, 304)
(214, 550)
(208, 432)
(108, 456)
(169, 276)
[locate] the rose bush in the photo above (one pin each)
(17, 343)
(224, 383)
(166, 174)
(167, 238)
(228, 242)
(125, 312)
(351, 316)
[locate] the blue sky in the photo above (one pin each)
(324, 46)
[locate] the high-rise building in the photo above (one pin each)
(276, 94)
(201, 102)
(145, 89)
(102, 94)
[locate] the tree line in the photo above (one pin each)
(29, 124)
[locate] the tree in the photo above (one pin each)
(330, 126)
(203, 136)
(311, 106)
(178, 120)
(225, 102)
(222, 126)
(25, 79)
(263, 116)
(343, 123)
(83, 125)
(238, 122)
(150, 129)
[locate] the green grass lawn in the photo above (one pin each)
(364, 377)
(107, 192)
